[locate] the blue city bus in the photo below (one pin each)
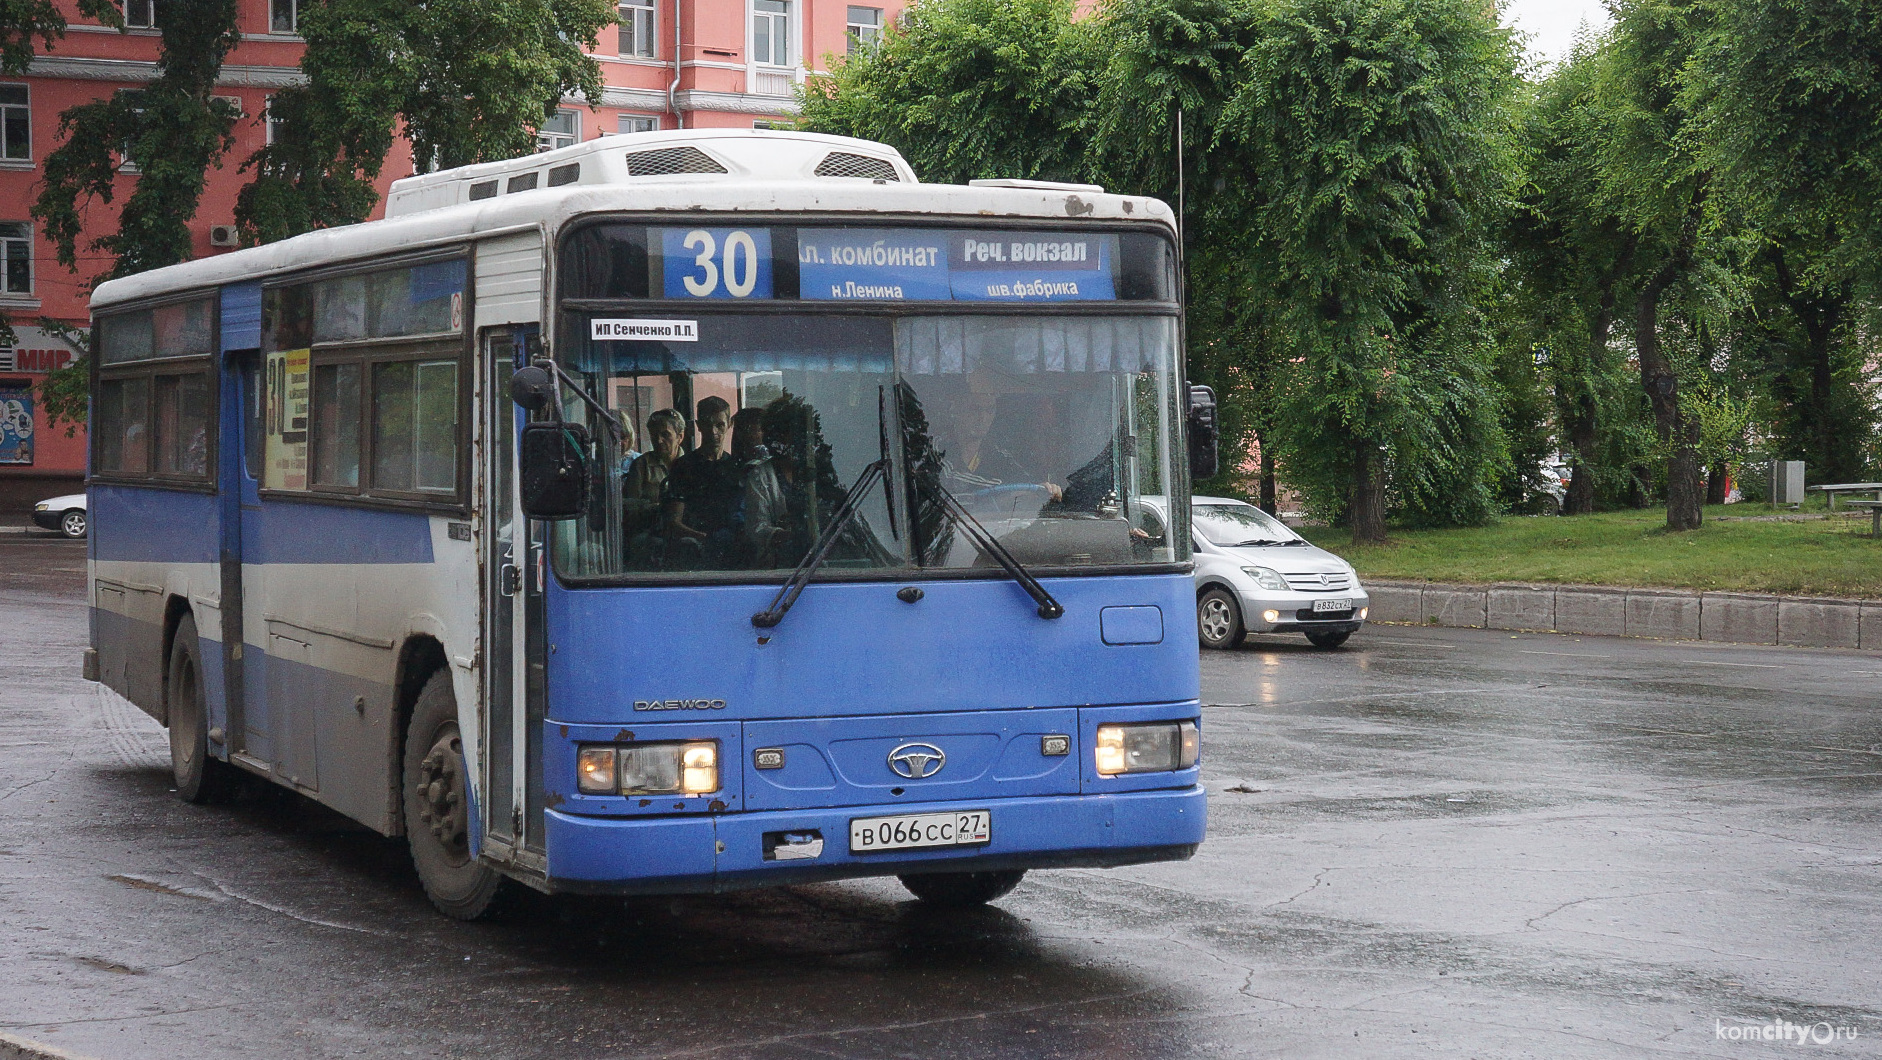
(673, 512)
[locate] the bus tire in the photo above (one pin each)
(957, 890)
(200, 776)
(437, 809)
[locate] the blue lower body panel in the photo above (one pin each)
(727, 852)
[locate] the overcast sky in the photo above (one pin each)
(1551, 24)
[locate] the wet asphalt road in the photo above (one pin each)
(1442, 843)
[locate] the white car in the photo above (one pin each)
(1254, 575)
(65, 514)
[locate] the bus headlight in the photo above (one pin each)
(1152, 747)
(690, 768)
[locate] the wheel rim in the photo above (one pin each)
(183, 720)
(1215, 619)
(74, 524)
(442, 808)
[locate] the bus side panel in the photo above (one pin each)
(149, 547)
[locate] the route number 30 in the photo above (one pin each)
(736, 265)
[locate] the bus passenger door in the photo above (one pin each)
(504, 566)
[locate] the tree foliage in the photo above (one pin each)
(464, 80)
(23, 21)
(174, 130)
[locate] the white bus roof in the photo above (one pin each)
(745, 187)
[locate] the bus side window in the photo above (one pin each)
(415, 419)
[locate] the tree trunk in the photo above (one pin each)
(1583, 416)
(1268, 502)
(1833, 448)
(1368, 512)
(1684, 491)
(1715, 484)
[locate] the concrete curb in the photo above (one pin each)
(13, 1048)
(1664, 614)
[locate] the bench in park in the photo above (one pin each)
(1835, 489)
(1875, 514)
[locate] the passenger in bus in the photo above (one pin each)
(630, 451)
(763, 508)
(644, 486)
(703, 492)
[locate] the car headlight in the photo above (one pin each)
(1266, 578)
(1147, 747)
(42, 506)
(689, 768)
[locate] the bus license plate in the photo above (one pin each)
(915, 831)
(1332, 605)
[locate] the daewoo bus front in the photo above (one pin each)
(864, 581)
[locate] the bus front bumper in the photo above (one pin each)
(672, 855)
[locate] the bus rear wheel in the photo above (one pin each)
(200, 776)
(957, 890)
(437, 809)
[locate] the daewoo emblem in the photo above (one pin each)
(917, 760)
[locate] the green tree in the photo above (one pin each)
(64, 392)
(1378, 138)
(21, 21)
(174, 129)
(971, 89)
(464, 80)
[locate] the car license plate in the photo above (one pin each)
(916, 831)
(1333, 605)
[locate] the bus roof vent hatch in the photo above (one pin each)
(670, 160)
(846, 164)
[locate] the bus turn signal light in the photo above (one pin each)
(690, 768)
(1152, 747)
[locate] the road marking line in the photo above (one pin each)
(1562, 654)
(1753, 666)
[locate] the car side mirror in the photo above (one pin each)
(532, 388)
(553, 469)
(1204, 436)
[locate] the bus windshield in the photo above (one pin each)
(742, 432)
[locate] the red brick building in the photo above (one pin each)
(666, 64)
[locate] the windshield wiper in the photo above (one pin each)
(1048, 607)
(793, 586)
(1268, 541)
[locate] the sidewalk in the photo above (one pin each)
(1665, 614)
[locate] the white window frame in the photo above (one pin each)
(146, 11)
(638, 21)
(294, 17)
(6, 146)
(779, 29)
(862, 35)
(270, 125)
(547, 140)
(650, 121)
(11, 243)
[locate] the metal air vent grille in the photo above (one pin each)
(844, 164)
(671, 160)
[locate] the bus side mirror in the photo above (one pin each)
(553, 469)
(1204, 438)
(532, 388)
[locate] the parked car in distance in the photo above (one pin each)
(65, 514)
(1254, 575)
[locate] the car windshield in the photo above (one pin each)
(1229, 525)
(741, 439)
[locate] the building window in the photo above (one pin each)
(771, 32)
(16, 123)
(562, 130)
(284, 16)
(865, 28)
(16, 257)
(633, 123)
(637, 28)
(140, 14)
(270, 125)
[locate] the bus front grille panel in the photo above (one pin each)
(670, 160)
(844, 164)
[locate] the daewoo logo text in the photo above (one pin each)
(679, 704)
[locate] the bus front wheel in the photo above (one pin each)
(960, 889)
(437, 808)
(200, 776)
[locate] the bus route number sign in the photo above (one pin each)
(733, 263)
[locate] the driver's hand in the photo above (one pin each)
(1052, 490)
